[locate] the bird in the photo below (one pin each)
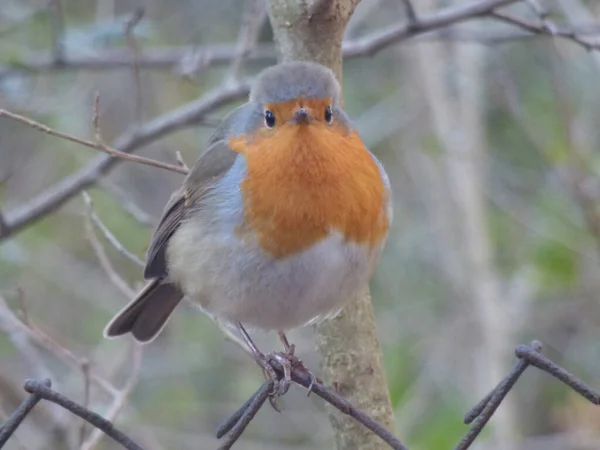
(280, 221)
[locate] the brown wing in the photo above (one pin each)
(169, 222)
(209, 167)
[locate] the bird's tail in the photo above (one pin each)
(146, 315)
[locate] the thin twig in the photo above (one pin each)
(85, 369)
(10, 325)
(120, 399)
(3, 225)
(172, 57)
(542, 14)
(113, 152)
(58, 32)
(17, 417)
(411, 15)
(35, 334)
(130, 25)
(545, 29)
(108, 234)
(181, 161)
(23, 308)
(252, 22)
(245, 416)
(174, 120)
(104, 260)
(45, 392)
(127, 204)
(373, 43)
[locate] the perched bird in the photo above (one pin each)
(279, 222)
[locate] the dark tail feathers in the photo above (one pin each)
(146, 315)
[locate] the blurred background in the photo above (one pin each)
(490, 138)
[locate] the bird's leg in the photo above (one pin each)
(289, 348)
(280, 387)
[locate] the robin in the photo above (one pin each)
(279, 222)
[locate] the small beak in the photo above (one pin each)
(301, 116)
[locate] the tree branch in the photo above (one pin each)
(44, 391)
(13, 422)
(483, 411)
(546, 28)
(179, 58)
(53, 197)
(110, 237)
(98, 145)
(371, 44)
(529, 355)
(304, 379)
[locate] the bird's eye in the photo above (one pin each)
(269, 119)
(328, 114)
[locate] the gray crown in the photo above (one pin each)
(298, 79)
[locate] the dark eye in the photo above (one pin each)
(328, 114)
(269, 119)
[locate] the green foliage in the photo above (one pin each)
(441, 427)
(557, 266)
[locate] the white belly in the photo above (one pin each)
(238, 282)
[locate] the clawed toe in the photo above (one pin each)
(287, 359)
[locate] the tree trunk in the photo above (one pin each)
(351, 357)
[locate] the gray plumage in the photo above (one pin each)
(198, 250)
(298, 79)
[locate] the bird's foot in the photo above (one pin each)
(280, 384)
(288, 360)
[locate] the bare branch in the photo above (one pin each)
(9, 427)
(538, 360)
(130, 25)
(545, 29)
(485, 409)
(119, 400)
(411, 15)
(169, 58)
(127, 204)
(112, 152)
(371, 44)
(181, 161)
(45, 392)
(108, 234)
(107, 266)
(12, 324)
(157, 58)
(237, 423)
(542, 14)
(240, 420)
(24, 309)
(58, 31)
(302, 378)
(85, 369)
(252, 22)
(3, 226)
(150, 131)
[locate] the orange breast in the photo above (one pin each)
(304, 181)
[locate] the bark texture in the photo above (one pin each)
(350, 353)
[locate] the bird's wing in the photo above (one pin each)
(212, 165)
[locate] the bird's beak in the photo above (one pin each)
(302, 116)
